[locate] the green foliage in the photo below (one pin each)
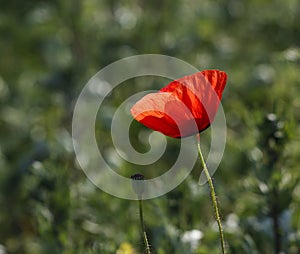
(49, 49)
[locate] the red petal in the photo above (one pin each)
(201, 93)
(164, 113)
(184, 103)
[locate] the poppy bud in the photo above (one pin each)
(138, 184)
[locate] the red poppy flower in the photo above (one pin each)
(185, 106)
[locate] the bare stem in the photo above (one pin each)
(213, 196)
(276, 224)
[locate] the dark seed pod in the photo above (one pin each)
(138, 184)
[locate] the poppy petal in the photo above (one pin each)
(185, 106)
(165, 113)
(201, 93)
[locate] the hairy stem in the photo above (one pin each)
(148, 251)
(213, 196)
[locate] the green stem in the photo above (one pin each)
(148, 251)
(213, 196)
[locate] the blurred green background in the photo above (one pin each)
(50, 49)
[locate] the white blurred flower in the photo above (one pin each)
(292, 54)
(2, 249)
(265, 73)
(232, 223)
(126, 17)
(192, 237)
